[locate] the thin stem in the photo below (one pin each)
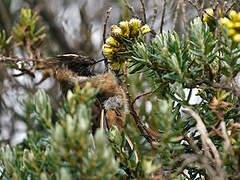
(105, 24)
(163, 14)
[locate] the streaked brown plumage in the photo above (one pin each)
(76, 68)
(111, 102)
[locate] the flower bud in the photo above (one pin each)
(233, 15)
(112, 42)
(207, 13)
(231, 32)
(134, 26)
(236, 37)
(116, 31)
(107, 49)
(125, 28)
(145, 29)
(224, 21)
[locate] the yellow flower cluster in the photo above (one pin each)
(208, 15)
(115, 46)
(233, 24)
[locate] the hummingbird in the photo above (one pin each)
(111, 104)
(111, 99)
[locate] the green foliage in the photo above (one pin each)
(26, 32)
(209, 64)
(65, 150)
(4, 43)
(194, 139)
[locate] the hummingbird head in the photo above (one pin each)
(78, 64)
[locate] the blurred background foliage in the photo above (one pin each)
(184, 75)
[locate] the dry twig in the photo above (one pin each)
(154, 13)
(164, 3)
(131, 9)
(205, 139)
(105, 24)
(141, 95)
(144, 12)
(176, 14)
(142, 128)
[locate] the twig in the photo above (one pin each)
(191, 143)
(154, 13)
(203, 131)
(132, 147)
(176, 14)
(131, 9)
(142, 128)
(188, 159)
(101, 119)
(184, 17)
(141, 95)
(230, 7)
(227, 143)
(163, 14)
(199, 7)
(105, 24)
(144, 12)
(202, 6)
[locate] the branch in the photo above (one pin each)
(163, 14)
(203, 131)
(144, 12)
(141, 95)
(142, 128)
(131, 9)
(154, 13)
(105, 24)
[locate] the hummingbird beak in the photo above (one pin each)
(98, 61)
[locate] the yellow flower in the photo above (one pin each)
(236, 37)
(114, 50)
(237, 25)
(231, 32)
(116, 31)
(224, 21)
(125, 28)
(233, 15)
(145, 29)
(227, 22)
(238, 16)
(110, 56)
(134, 24)
(119, 63)
(107, 49)
(112, 42)
(220, 13)
(207, 13)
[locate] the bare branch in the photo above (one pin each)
(154, 13)
(105, 24)
(144, 12)
(203, 131)
(227, 143)
(131, 9)
(184, 17)
(176, 14)
(142, 128)
(141, 95)
(164, 3)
